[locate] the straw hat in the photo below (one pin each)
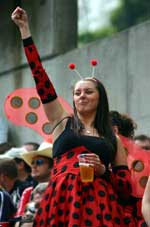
(45, 150)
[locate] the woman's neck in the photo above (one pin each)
(87, 121)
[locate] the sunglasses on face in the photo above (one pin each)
(38, 162)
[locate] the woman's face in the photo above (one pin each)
(86, 97)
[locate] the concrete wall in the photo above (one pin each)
(124, 69)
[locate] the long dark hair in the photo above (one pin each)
(102, 119)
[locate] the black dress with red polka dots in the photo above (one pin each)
(68, 202)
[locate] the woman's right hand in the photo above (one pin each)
(20, 18)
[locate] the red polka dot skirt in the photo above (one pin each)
(68, 202)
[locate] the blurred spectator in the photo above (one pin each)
(123, 124)
(24, 170)
(5, 147)
(143, 141)
(9, 179)
(7, 208)
(31, 146)
(33, 205)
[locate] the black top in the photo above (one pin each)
(68, 140)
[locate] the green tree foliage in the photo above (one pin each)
(129, 13)
(93, 36)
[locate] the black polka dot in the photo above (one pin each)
(63, 186)
(55, 171)
(102, 206)
(49, 95)
(121, 174)
(32, 65)
(108, 217)
(70, 154)
(89, 211)
(85, 188)
(112, 197)
(55, 203)
(143, 224)
(127, 220)
(90, 198)
(30, 49)
(101, 193)
(70, 187)
(47, 84)
(102, 183)
(62, 199)
(41, 222)
(70, 199)
(60, 224)
(76, 165)
(77, 204)
(75, 215)
(52, 217)
(79, 193)
(54, 193)
(60, 212)
(88, 222)
(47, 207)
(46, 197)
(98, 216)
(67, 212)
(117, 220)
(41, 91)
(53, 184)
(39, 211)
(48, 221)
(63, 169)
(37, 72)
(73, 177)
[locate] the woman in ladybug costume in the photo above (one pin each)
(69, 202)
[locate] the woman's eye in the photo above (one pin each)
(77, 93)
(89, 92)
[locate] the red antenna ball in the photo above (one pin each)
(94, 62)
(72, 66)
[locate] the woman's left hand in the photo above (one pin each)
(95, 162)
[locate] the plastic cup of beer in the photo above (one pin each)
(86, 169)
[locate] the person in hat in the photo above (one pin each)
(68, 201)
(41, 162)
